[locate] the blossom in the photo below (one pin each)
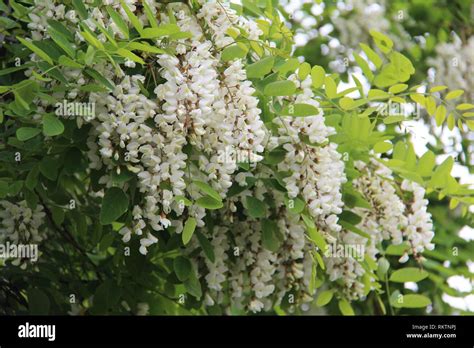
(20, 224)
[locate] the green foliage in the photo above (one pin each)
(53, 169)
(114, 205)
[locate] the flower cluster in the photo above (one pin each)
(419, 230)
(20, 224)
(317, 170)
(257, 278)
(202, 103)
(401, 219)
(453, 65)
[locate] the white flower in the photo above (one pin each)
(129, 63)
(143, 308)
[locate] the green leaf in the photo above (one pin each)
(317, 76)
(61, 29)
(15, 188)
(131, 56)
(206, 246)
(255, 207)
(331, 88)
(430, 103)
(426, 164)
(58, 215)
(345, 307)
(62, 42)
(280, 88)
(38, 302)
(388, 77)
(188, 230)
(470, 125)
(99, 78)
(133, 19)
(451, 121)
(25, 91)
(261, 68)
(346, 103)
(354, 229)
(454, 94)
(383, 42)
(295, 205)
(193, 286)
(414, 301)
(299, 110)
(32, 178)
(252, 7)
(398, 88)
(464, 106)
(162, 30)
(39, 52)
(324, 298)
(235, 51)
(105, 32)
(383, 146)
(121, 25)
(316, 237)
(289, 65)
(271, 236)
(393, 119)
(80, 8)
(149, 14)
(438, 89)
(402, 65)
(26, 133)
(208, 202)
(418, 98)
(142, 46)
(370, 53)
(207, 189)
(183, 200)
(52, 126)
(20, 10)
(66, 61)
(364, 66)
(377, 94)
(440, 115)
(442, 172)
(91, 38)
(182, 267)
(114, 205)
(49, 168)
(106, 241)
(304, 71)
(350, 217)
(382, 267)
(408, 274)
(398, 249)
